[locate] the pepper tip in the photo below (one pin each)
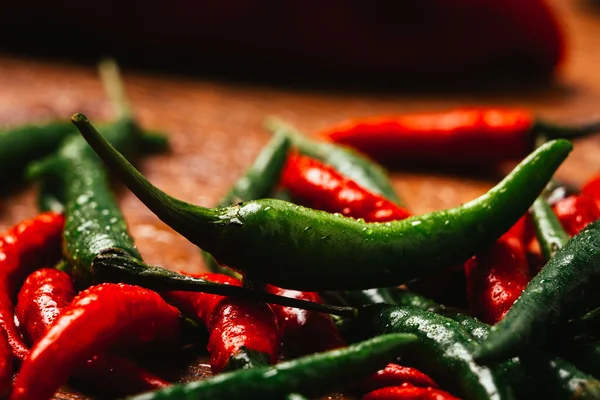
(78, 118)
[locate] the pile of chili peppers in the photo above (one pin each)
(313, 228)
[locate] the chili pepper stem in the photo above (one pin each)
(118, 267)
(175, 210)
(555, 131)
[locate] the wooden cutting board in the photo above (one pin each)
(215, 131)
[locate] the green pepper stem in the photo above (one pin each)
(115, 266)
(548, 228)
(113, 85)
(184, 217)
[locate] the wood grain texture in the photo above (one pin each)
(215, 129)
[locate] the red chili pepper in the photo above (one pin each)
(233, 325)
(395, 375)
(25, 247)
(98, 319)
(321, 186)
(6, 365)
(304, 332)
(41, 298)
(408, 392)
(460, 136)
(576, 212)
(43, 295)
(497, 276)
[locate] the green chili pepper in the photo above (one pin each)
(364, 171)
(548, 228)
(565, 288)
(444, 350)
(23, 144)
(310, 375)
(258, 182)
(97, 243)
(294, 247)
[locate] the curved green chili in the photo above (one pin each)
(294, 247)
(548, 229)
(310, 375)
(564, 288)
(367, 173)
(258, 182)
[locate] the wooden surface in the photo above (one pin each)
(215, 129)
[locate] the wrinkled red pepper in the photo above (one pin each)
(497, 276)
(483, 136)
(234, 326)
(408, 392)
(25, 247)
(576, 212)
(41, 298)
(98, 319)
(320, 186)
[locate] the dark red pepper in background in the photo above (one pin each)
(576, 212)
(428, 40)
(42, 297)
(479, 136)
(320, 186)
(98, 319)
(408, 392)
(497, 276)
(30, 245)
(235, 326)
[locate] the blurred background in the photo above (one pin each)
(409, 43)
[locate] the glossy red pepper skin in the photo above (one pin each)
(25, 247)
(395, 375)
(6, 365)
(408, 392)
(42, 297)
(234, 326)
(496, 277)
(304, 332)
(98, 319)
(576, 212)
(320, 186)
